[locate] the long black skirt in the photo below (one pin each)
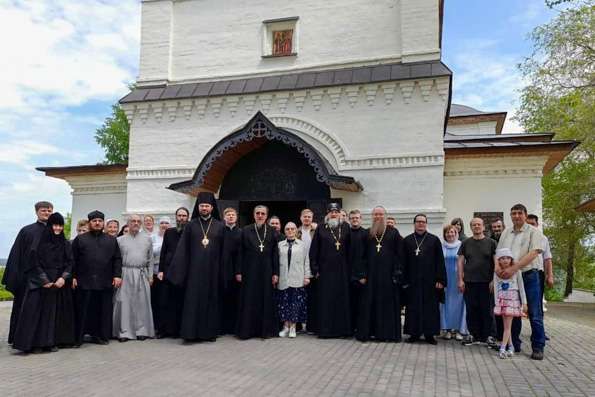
(46, 319)
(94, 313)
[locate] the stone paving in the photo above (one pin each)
(305, 366)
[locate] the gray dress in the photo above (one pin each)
(132, 302)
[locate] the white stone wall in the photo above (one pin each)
(492, 184)
(480, 128)
(106, 193)
(388, 136)
(202, 39)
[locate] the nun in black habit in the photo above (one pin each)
(196, 266)
(46, 320)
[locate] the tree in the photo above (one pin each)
(560, 98)
(113, 136)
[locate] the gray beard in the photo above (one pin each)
(333, 222)
(377, 228)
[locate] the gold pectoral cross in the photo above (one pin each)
(205, 242)
(261, 246)
(378, 246)
(417, 251)
(338, 245)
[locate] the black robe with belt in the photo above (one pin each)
(170, 298)
(47, 315)
(229, 288)
(257, 313)
(334, 275)
(196, 267)
(97, 261)
(380, 310)
(422, 272)
(14, 273)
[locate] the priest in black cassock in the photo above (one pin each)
(379, 316)
(330, 264)
(425, 279)
(258, 273)
(170, 298)
(96, 272)
(195, 266)
(229, 287)
(46, 320)
(359, 237)
(14, 272)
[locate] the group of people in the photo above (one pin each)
(207, 277)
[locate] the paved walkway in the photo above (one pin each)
(305, 366)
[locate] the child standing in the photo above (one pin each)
(510, 299)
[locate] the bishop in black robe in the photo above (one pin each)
(330, 264)
(170, 299)
(196, 266)
(97, 270)
(379, 315)
(259, 266)
(425, 276)
(229, 286)
(47, 315)
(14, 273)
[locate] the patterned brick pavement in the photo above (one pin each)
(305, 366)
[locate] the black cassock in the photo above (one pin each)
(229, 288)
(170, 298)
(334, 270)
(47, 314)
(14, 272)
(196, 267)
(257, 313)
(97, 261)
(359, 238)
(380, 310)
(421, 273)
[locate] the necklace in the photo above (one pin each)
(261, 246)
(337, 242)
(205, 240)
(379, 240)
(418, 249)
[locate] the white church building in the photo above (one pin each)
(297, 103)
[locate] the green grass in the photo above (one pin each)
(4, 294)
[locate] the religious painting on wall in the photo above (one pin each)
(282, 42)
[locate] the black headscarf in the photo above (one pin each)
(206, 198)
(55, 219)
(50, 245)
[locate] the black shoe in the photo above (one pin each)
(517, 349)
(141, 338)
(52, 349)
(431, 340)
(537, 355)
(468, 341)
(76, 346)
(412, 339)
(122, 340)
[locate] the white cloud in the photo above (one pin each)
(21, 152)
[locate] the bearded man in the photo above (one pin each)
(380, 275)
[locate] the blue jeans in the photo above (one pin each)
(534, 301)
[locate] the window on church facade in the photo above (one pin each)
(280, 37)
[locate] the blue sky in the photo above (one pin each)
(73, 59)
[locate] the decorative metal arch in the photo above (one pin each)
(259, 128)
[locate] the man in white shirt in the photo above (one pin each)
(526, 243)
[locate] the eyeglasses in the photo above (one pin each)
(260, 213)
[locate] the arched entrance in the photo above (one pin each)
(261, 163)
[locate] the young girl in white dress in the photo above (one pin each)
(510, 299)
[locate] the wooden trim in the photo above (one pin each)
(499, 118)
(83, 170)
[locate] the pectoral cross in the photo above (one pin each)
(378, 246)
(338, 245)
(417, 251)
(261, 246)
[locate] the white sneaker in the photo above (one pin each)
(284, 333)
(292, 333)
(510, 352)
(447, 335)
(503, 354)
(459, 337)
